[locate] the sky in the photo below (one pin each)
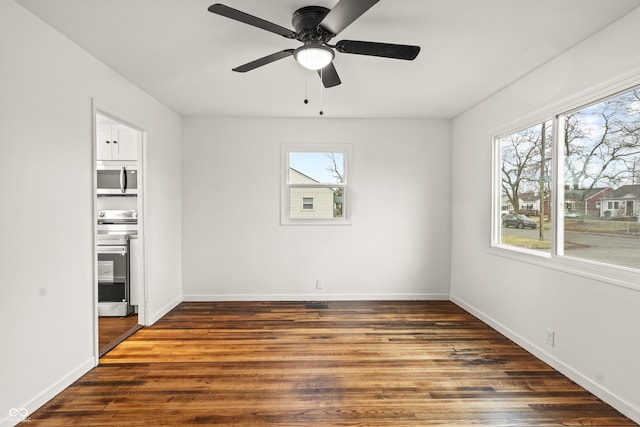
(315, 165)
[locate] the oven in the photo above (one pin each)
(113, 276)
(115, 229)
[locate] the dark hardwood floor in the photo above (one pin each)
(323, 364)
(113, 330)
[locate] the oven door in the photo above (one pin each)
(113, 280)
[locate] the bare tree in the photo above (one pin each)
(524, 164)
(635, 171)
(543, 175)
(602, 142)
(573, 132)
(333, 167)
(337, 173)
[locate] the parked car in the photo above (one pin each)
(518, 221)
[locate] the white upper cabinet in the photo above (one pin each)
(116, 142)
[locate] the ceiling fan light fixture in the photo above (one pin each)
(314, 56)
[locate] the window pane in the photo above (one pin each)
(307, 203)
(314, 167)
(525, 205)
(602, 181)
(319, 203)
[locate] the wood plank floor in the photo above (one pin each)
(113, 330)
(323, 364)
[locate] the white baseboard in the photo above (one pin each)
(154, 317)
(313, 297)
(618, 403)
(22, 414)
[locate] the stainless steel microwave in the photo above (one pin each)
(116, 180)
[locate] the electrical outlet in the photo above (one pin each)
(319, 284)
(551, 335)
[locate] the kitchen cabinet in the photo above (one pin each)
(116, 142)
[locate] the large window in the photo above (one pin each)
(314, 187)
(601, 180)
(569, 187)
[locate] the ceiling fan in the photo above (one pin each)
(315, 26)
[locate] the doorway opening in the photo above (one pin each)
(118, 223)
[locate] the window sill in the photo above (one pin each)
(618, 276)
(314, 221)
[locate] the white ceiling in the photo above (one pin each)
(182, 55)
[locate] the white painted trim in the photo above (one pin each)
(143, 307)
(154, 317)
(618, 403)
(572, 102)
(49, 393)
(314, 297)
(94, 294)
(619, 276)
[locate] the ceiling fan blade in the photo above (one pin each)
(344, 13)
(263, 61)
(237, 15)
(386, 50)
(329, 76)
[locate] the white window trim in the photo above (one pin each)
(611, 274)
(285, 185)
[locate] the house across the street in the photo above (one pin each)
(623, 202)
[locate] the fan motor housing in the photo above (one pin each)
(306, 20)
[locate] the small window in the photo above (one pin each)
(315, 184)
(307, 203)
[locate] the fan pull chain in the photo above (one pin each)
(306, 97)
(321, 92)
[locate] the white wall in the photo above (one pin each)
(235, 248)
(596, 323)
(397, 247)
(46, 262)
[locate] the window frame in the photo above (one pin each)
(496, 194)
(556, 259)
(286, 185)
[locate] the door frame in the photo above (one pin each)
(143, 307)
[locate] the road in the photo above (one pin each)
(620, 250)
